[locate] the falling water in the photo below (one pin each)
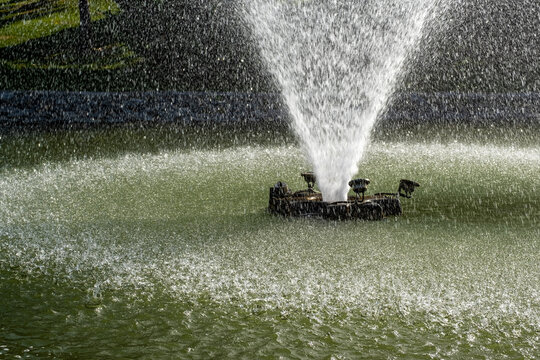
(336, 62)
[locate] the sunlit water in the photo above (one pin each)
(336, 63)
(172, 254)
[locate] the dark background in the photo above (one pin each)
(203, 45)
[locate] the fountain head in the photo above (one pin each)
(407, 186)
(359, 186)
(310, 178)
(281, 189)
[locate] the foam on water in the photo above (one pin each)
(336, 63)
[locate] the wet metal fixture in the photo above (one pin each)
(309, 203)
(309, 177)
(359, 186)
(406, 188)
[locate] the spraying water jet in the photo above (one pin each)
(336, 62)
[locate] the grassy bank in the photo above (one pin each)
(204, 45)
(32, 19)
(136, 45)
(40, 49)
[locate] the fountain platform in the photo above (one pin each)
(310, 203)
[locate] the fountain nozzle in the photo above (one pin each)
(310, 178)
(359, 186)
(407, 186)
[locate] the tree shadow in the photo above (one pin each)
(194, 44)
(65, 41)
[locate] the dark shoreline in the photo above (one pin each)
(45, 110)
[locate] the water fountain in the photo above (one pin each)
(336, 62)
(128, 242)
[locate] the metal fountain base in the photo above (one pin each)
(309, 203)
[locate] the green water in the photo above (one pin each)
(167, 252)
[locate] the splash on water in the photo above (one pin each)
(336, 62)
(156, 234)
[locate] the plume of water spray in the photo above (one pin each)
(336, 62)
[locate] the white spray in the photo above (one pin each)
(337, 63)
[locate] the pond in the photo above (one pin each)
(157, 244)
